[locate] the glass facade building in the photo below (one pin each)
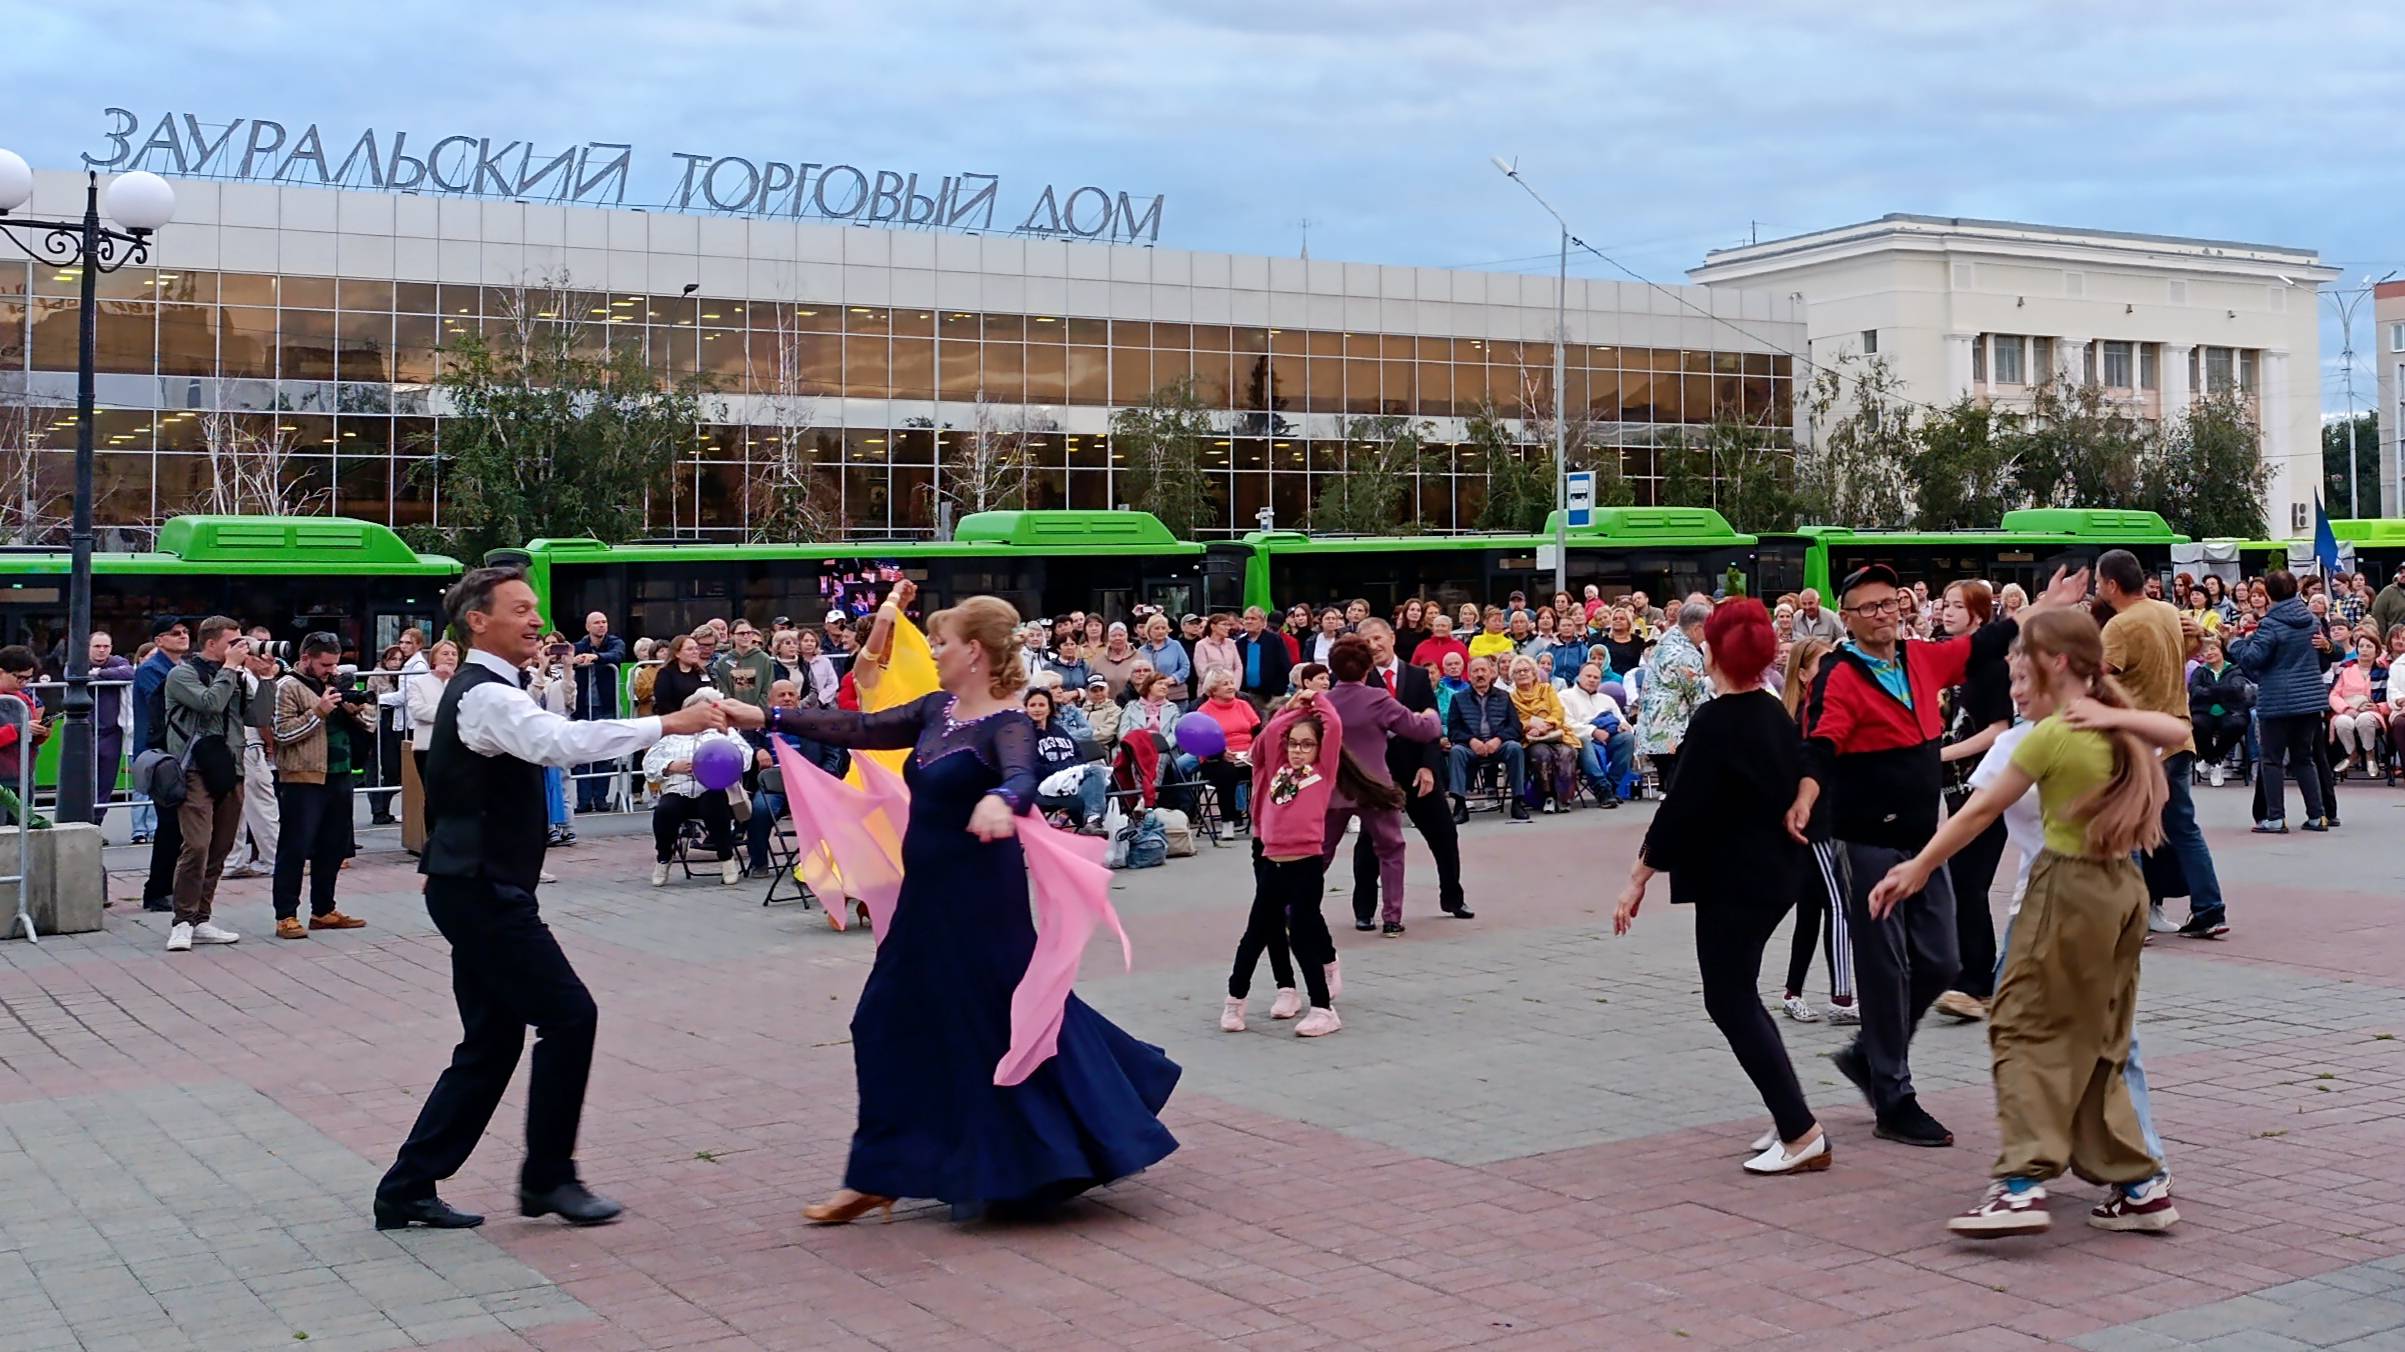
(319, 319)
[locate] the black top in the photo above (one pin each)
(1722, 832)
(674, 685)
(1985, 697)
(485, 815)
(1627, 653)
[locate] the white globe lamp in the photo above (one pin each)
(141, 202)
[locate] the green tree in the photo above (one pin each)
(1519, 488)
(1163, 440)
(2080, 447)
(2206, 474)
(546, 440)
(1383, 459)
(1859, 470)
(2367, 466)
(1967, 473)
(1742, 470)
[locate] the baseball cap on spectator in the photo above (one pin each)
(835, 617)
(1098, 683)
(162, 623)
(1867, 573)
(1188, 618)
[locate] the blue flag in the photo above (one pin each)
(2325, 544)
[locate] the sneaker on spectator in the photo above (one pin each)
(179, 937)
(2137, 1206)
(2157, 922)
(206, 933)
(1231, 1015)
(2210, 925)
(729, 872)
(1318, 1023)
(659, 875)
(1800, 1010)
(2010, 1206)
(1844, 1013)
(2216, 775)
(545, 877)
(2274, 827)
(1288, 1004)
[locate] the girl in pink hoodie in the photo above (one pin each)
(1297, 759)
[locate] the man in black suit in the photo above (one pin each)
(1264, 659)
(1418, 769)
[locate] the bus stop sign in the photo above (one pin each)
(1579, 497)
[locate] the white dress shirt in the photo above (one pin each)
(498, 719)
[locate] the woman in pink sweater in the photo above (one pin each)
(1297, 761)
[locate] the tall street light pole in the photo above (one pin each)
(1561, 385)
(2346, 302)
(140, 203)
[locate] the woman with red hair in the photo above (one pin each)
(1720, 837)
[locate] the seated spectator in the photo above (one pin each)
(1430, 652)
(2392, 694)
(1102, 713)
(1217, 650)
(1607, 747)
(2354, 724)
(1313, 676)
(1152, 710)
(1069, 787)
(2218, 697)
(1492, 642)
(2196, 607)
(669, 763)
(1623, 642)
(1132, 689)
(1484, 729)
(1450, 681)
(1230, 771)
(766, 779)
(1552, 750)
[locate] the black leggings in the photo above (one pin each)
(710, 809)
(1286, 895)
(1729, 937)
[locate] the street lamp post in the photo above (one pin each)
(1561, 387)
(140, 203)
(2346, 302)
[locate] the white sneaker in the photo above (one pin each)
(1800, 1010)
(1845, 1013)
(1231, 1015)
(179, 937)
(1777, 1159)
(1335, 981)
(546, 876)
(730, 872)
(2159, 923)
(659, 875)
(1318, 1023)
(206, 933)
(1288, 1004)
(2215, 775)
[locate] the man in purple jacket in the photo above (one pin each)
(1370, 716)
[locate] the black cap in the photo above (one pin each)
(1869, 572)
(160, 624)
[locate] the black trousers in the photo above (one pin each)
(1970, 873)
(710, 809)
(385, 771)
(2293, 741)
(1729, 938)
(1286, 898)
(166, 843)
(508, 974)
(1901, 965)
(1434, 821)
(2216, 734)
(316, 835)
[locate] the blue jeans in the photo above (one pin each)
(555, 795)
(2182, 837)
(1513, 756)
(1091, 788)
(146, 817)
(1608, 763)
(766, 809)
(2133, 1071)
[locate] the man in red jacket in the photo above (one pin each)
(1871, 729)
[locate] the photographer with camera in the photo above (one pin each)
(321, 726)
(204, 731)
(254, 852)
(549, 681)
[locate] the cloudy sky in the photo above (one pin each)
(1660, 129)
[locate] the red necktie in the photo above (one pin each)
(1390, 681)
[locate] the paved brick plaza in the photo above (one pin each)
(1526, 1137)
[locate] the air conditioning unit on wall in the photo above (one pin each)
(2300, 518)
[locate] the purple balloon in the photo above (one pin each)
(718, 763)
(1200, 736)
(1618, 692)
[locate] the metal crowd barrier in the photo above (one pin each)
(17, 712)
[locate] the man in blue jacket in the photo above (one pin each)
(598, 654)
(1485, 729)
(2284, 657)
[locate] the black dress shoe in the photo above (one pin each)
(1461, 912)
(431, 1212)
(1908, 1123)
(1849, 1063)
(1365, 926)
(1519, 811)
(1461, 812)
(162, 906)
(571, 1202)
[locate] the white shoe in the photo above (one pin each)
(245, 871)
(730, 872)
(1801, 1011)
(2159, 923)
(206, 933)
(1764, 1141)
(1288, 1004)
(659, 875)
(1335, 981)
(546, 876)
(1845, 1013)
(1231, 1015)
(1318, 1023)
(1776, 1158)
(1547, 809)
(179, 937)
(2215, 775)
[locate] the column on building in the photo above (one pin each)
(2176, 394)
(2070, 362)
(1958, 364)
(2272, 402)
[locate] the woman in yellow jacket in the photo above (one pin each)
(1546, 733)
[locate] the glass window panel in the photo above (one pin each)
(187, 286)
(914, 323)
(1637, 390)
(1211, 338)
(188, 340)
(366, 346)
(2120, 368)
(305, 338)
(1324, 385)
(1089, 375)
(1130, 333)
(354, 294)
(1727, 398)
(1005, 380)
(15, 279)
(245, 288)
(958, 361)
(1471, 392)
(1047, 373)
(56, 335)
(768, 317)
(1131, 370)
(1214, 379)
(1248, 340)
(958, 324)
(417, 298)
(1433, 386)
(126, 339)
(2150, 361)
(1286, 389)
(1324, 344)
(914, 368)
(1089, 490)
(1046, 329)
(813, 318)
(1091, 332)
(1169, 366)
(305, 293)
(914, 446)
(1287, 342)
(1172, 336)
(1011, 327)
(1360, 385)
(723, 355)
(865, 495)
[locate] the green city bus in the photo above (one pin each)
(1661, 551)
(2026, 549)
(2379, 546)
(1044, 562)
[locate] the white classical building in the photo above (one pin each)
(1991, 309)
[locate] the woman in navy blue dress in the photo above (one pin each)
(934, 1018)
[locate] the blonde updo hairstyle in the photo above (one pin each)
(993, 625)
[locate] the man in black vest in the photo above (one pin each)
(487, 825)
(1415, 767)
